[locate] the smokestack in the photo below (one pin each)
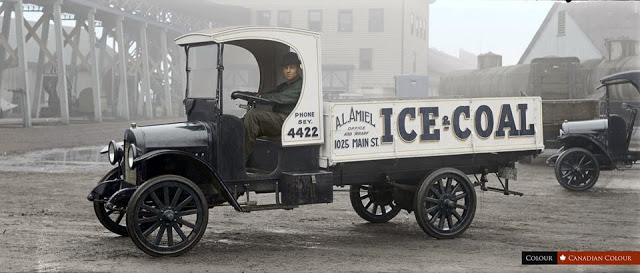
(489, 60)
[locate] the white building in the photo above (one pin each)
(580, 29)
(364, 43)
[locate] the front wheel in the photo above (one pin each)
(577, 169)
(167, 216)
(445, 203)
(110, 218)
(373, 203)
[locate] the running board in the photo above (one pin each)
(250, 208)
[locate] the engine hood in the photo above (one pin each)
(169, 136)
(585, 127)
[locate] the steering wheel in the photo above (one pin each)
(250, 97)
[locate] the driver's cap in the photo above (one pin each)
(290, 58)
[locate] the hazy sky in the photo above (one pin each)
(480, 26)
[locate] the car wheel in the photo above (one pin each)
(167, 215)
(445, 203)
(373, 203)
(112, 219)
(577, 169)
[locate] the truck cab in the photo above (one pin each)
(273, 154)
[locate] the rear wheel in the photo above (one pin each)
(373, 203)
(113, 219)
(577, 169)
(167, 216)
(445, 203)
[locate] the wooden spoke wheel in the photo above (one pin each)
(373, 203)
(113, 219)
(167, 215)
(445, 203)
(577, 169)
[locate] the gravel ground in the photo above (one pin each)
(46, 223)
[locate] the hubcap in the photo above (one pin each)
(446, 204)
(169, 215)
(450, 203)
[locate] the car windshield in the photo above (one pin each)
(203, 73)
(241, 72)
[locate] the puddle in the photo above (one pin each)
(57, 160)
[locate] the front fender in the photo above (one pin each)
(583, 141)
(120, 198)
(180, 158)
(107, 188)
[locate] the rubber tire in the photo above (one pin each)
(132, 205)
(420, 211)
(356, 203)
(563, 156)
(101, 211)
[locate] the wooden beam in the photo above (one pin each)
(36, 26)
(95, 69)
(123, 94)
(165, 72)
(102, 64)
(61, 70)
(22, 63)
(4, 36)
(35, 105)
(75, 51)
(146, 75)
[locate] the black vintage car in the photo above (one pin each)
(168, 176)
(594, 145)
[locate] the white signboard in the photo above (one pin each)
(419, 128)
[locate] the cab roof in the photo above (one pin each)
(632, 77)
(227, 34)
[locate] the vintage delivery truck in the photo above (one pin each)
(416, 155)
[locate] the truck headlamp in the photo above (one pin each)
(115, 152)
(131, 155)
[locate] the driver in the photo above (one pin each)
(285, 96)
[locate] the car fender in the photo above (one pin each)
(107, 188)
(571, 138)
(120, 198)
(217, 182)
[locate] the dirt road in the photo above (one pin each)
(46, 224)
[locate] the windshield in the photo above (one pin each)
(202, 71)
(241, 73)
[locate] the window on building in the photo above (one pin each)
(263, 17)
(562, 16)
(284, 18)
(345, 21)
(315, 20)
(366, 59)
(376, 20)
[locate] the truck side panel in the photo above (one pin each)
(423, 128)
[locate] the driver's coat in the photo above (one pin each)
(285, 96)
